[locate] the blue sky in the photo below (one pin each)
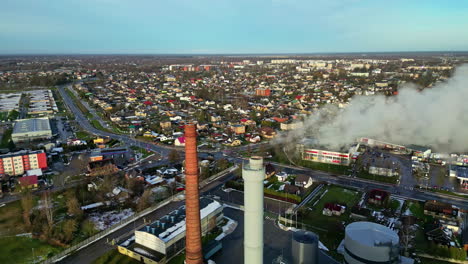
(232, 26)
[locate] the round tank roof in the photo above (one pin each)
(371, 234)
(305, 237)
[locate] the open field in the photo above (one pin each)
(314, 220)
(11, 220)
(20, 250)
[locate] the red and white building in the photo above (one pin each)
(327, 156)
(17, 163)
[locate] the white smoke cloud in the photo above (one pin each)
(436, 117)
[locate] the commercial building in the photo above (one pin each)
(41, 103)
(461, 172)
(367, 242)
(328, 156)
(26, 130)
(262, 92)
(17, 163)
(165, 237)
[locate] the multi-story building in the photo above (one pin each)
(18, 163)
(262, 92)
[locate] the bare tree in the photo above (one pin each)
(47, 208)
(145, 200)
(74, 207)
(173, 156)
(27, 205)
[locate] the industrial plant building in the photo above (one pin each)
(367, 242)
(17, 163)
(165, 238)
(328, 156)
(26, 130)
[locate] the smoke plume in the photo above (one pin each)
(435, 117)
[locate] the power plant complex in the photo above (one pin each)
(164, 238)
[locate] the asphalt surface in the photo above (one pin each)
(125, 139)
(100, 247)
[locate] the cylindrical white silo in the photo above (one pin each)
(367, 242)
(253, 174)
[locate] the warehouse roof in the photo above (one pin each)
(172, 224)
(31, 125)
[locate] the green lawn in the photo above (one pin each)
(11, 220)
(417, 209)
(20, 250)
(83, 135)
(332, 168)
(114, 257)
(319, 223)
(77, 102)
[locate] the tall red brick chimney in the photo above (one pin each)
(193, 245)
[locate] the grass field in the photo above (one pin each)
(11, 220)
(20, 250)
(84, 135)
(332, 168)
(319, 223)
(114, 257)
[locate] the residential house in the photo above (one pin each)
(29, 181)
(303, 181)
(378, 197)
(333, 209)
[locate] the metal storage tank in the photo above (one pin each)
(305, 247)
(367, 242)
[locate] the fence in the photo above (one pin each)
(126, 221)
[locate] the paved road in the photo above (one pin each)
(100, 247)
(86, 125)
(362, 184)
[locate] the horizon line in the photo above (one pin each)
(231, 54)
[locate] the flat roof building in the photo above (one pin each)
(9, 102)
(165, 237)
(41, 103)
(26, 130)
